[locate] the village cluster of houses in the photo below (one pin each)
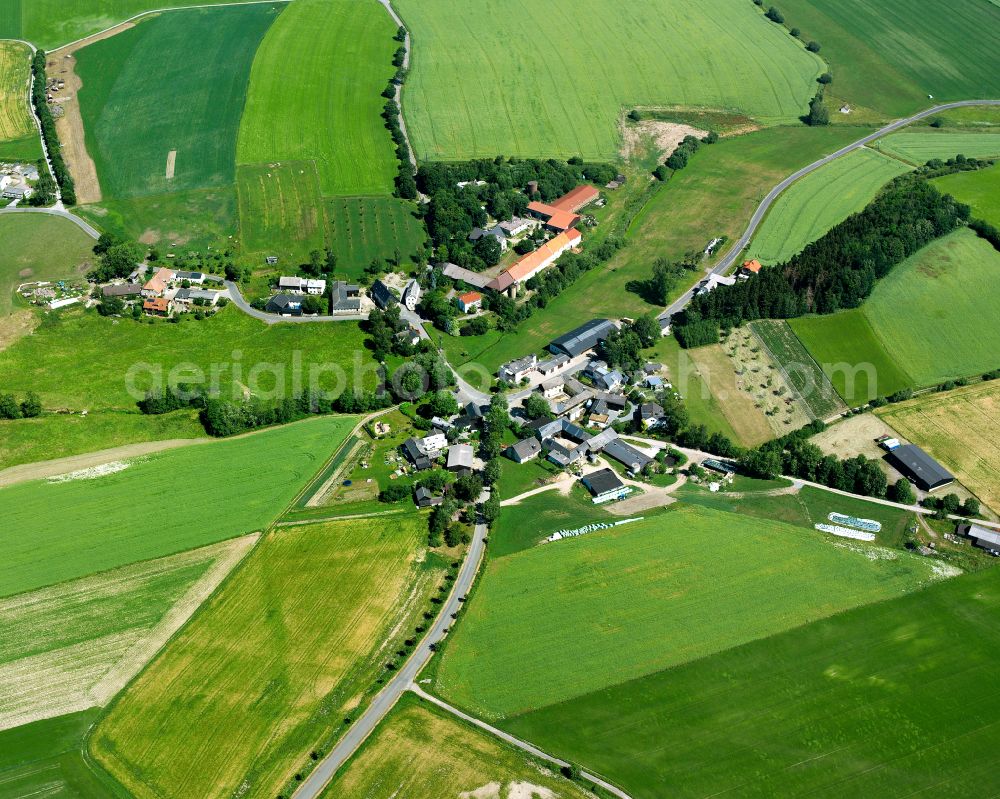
(16, 180)
(345, 298)
(423, 453)
(167, 291)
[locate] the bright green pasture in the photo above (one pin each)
(81, 360)
(46, 759)
(315, 94)
(10, 19)
(885, 700)
(39, 247)
(979, 189)
(820, 200)
(889, 55)
(551, 80)
(920, 146)
(581, 614)
(931, 319)
(160, 504)
(174, 83)
(364, 228)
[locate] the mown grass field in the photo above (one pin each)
(174, 83)
(960, 428)
(39, 247)
(315, 94)
(578, 615)
(930, 320)
(46, 759)
(161, 504)
(820, 200)
(979, 189)
(361, 229)
(10, 19)
(802, 372)
(920, 146)
(266, 672)
(885, 700)
(80, 360)
(557, 89)
(18, 134)
(421, 753)
(947, 51)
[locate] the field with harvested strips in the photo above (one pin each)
(578, 615)
(525, 95)
(885, 700)
(920, 146)
(820, 200)
(960, 428)
(267, 671)
(75, 645)
(18, 135)
(889, 55)
(315, 94)
(979, 189)
(127, 511)
(422, 753)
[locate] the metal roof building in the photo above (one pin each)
(583, 338)
(920, 467)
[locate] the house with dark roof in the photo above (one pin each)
(124, 290)
(345, 297)
(627, 455)
(605, 486)
(583, 338)
(495, 232)
(524, 450)
(649, 414)
(285, 305)
(516, 371)
(425, 499)
(920, 467)
(416, 455)
(382, 295)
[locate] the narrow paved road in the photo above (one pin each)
(314, 784)
(758, 216)
(272, 319)
(508, 738)
(56, 210)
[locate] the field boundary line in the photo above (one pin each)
(514, 741)
(322, 519)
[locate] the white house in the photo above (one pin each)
(411, 295)
(516, 371)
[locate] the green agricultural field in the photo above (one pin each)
(820, 200)
(157, 504)
(80, 360)
(46, 759)
(10, 19)
(362, 229)
(558, 87)
(930, 320)
(947, 51)
(39, 247)
(420, 752)
(18, 134)
(886, 700)
(920, 146)
(980, 189)
(265, 673)
(803, 373)
(578, 615)
(315, 94)
(162, 102)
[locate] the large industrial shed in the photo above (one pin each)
(583, 338)
(920, 467)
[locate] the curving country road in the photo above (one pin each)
(273, 319)
(758, 216)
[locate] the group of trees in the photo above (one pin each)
(28, 408)
(837, 271)
(406, 187)
(678, 159)
(778, 18)
(116, 258)
(952, 504)
(666, 275)
(622, 348)
(41, 106)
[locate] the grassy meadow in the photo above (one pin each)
(18, 134)
(361, 229)
(578, 615)
(885, 700)
(268, 669)
(159, 504)
(420, 752)
(960, 428)
(80, 360)
(10, 19)
(557, 89)
(889, 55)
(979, 189)
(920, 146)
(820, 200)
(315, 94)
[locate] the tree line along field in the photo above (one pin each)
(269, 668)
(920, 146)
(59, 530)
(885, 700)
(557, 89)
(19, 137)
(889, 55)
(820, 200)
(420, 752)
(929, 320)
(315, 94)
(960, 429)
(578, 615)
(979, 189)
(79, 360)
